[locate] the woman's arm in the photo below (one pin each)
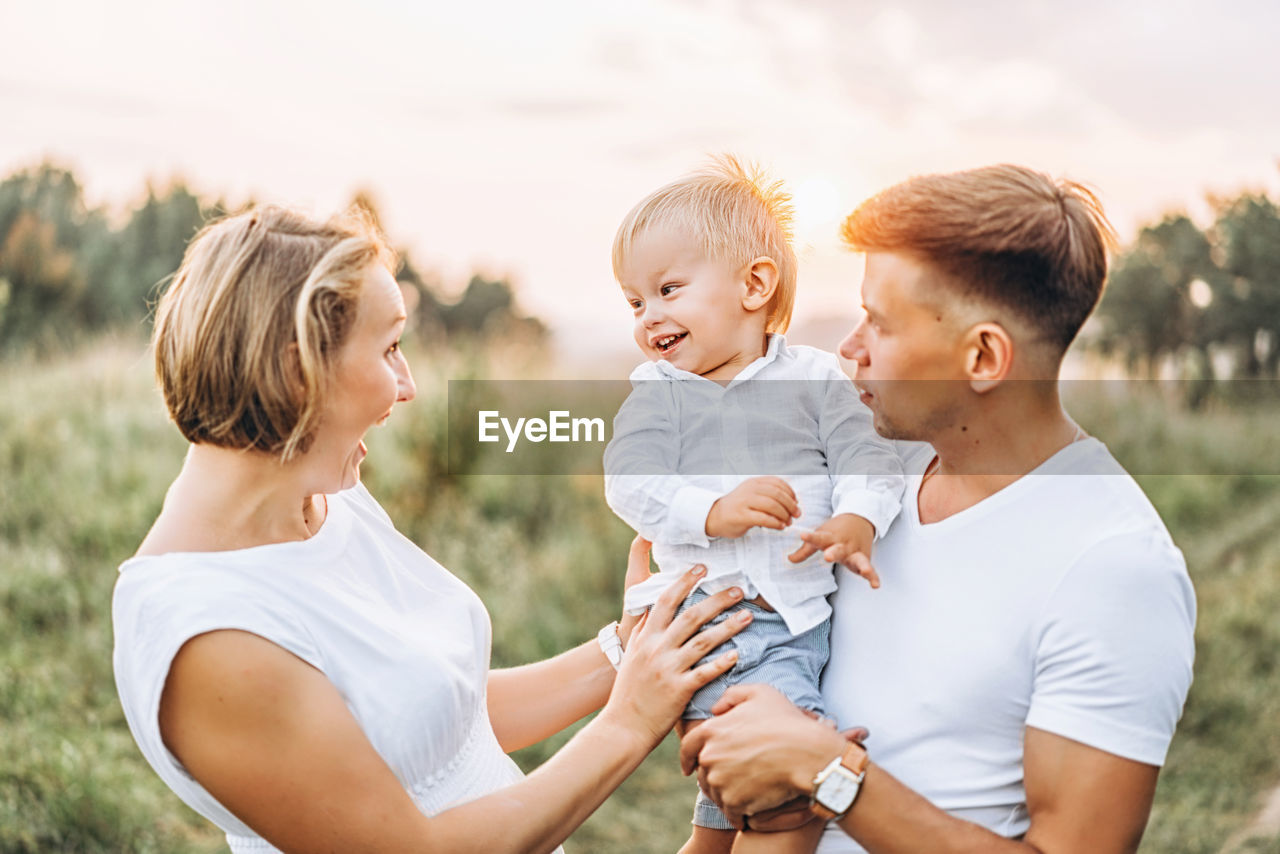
(271, 738)
(534, 701)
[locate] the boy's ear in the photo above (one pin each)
(988, 355)
(761, 281)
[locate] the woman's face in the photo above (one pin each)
(370, 377)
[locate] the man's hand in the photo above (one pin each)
(757, 753)
(763, 502)
(845, 539)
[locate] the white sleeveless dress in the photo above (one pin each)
(403, 640)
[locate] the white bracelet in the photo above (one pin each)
(611, 644)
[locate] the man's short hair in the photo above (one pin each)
(736, 214)
(248, 332)
(1007, 235)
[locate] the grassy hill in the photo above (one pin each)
(86, 454)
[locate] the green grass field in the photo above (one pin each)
(86, 454)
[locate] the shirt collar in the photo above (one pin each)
(777, 346)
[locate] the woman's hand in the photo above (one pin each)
(637, 571)
(658, 674)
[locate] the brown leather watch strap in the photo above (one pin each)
(854, 758)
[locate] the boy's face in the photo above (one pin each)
(689, 308)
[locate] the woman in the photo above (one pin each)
(295, 669)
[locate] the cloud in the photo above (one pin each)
(1162, 67)
(557, 108)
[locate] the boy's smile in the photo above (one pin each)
(689, 307)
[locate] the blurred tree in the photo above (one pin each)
(485, 301)
(42, 217)
(65, 269)
(150, 248)
(42, 281)
(488, 309)
(1246, 305)
(427, 311)
(1147, 313)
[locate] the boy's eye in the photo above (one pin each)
(666, 290)
(635, 304)
(394, 348)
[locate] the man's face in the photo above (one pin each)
(907, 350)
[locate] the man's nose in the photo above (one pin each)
(854, 347)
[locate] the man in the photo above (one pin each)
(1028, 655)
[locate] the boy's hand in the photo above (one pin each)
(764, 502)
(844, 539)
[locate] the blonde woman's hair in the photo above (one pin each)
(1008, 235)
(735, 212)
(247, 332)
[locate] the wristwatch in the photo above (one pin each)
(611, 644)
(836, 787)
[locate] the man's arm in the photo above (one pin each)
(761, 751)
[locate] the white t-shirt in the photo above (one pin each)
(403, 640)
(1059, 603)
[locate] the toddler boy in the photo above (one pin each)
(732, 442)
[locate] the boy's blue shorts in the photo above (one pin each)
(768, 653)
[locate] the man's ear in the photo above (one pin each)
(988, 355)
(760, 280)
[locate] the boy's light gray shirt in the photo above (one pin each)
(681, 441)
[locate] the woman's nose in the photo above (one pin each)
(405, 386)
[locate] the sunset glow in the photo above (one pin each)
(515, 142)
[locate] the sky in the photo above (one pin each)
(512, 137)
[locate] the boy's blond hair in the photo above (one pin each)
(737, 215)
(247, 334)
(1005, 234)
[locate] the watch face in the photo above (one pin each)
(837, 791)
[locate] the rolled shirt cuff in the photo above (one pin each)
(876, 507)
(688, 515)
